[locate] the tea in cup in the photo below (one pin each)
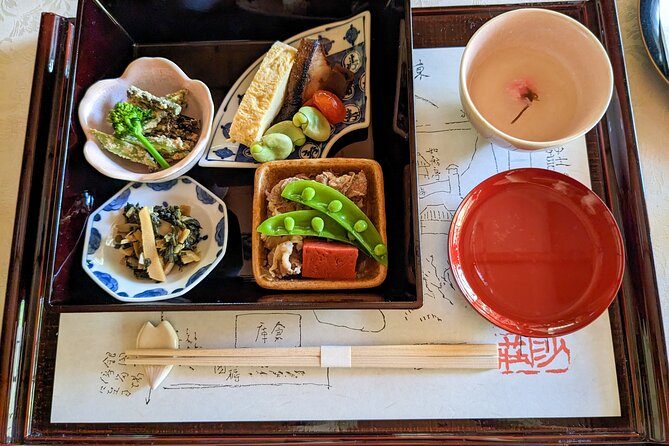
(534, 79)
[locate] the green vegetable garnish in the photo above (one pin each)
(274, 146)
(317, 224)
(288, 129)
(327, 200)
(360, 226)
(289, 223)
(313, 123)
(127, 119)
(306, 223)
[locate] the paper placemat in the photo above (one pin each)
(570, 376)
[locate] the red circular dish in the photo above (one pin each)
(536, 252)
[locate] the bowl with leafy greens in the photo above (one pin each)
(155, 241)
(151, 124)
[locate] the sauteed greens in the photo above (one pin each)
(155, 239)
(150, 129)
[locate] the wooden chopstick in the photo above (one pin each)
(222, 352)
(477, 356)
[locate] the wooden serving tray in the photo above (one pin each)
(31, 324)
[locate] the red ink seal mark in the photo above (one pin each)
(531, 356)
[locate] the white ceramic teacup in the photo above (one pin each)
(534, 79)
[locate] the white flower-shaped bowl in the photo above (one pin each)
(158, 76)
(104, 264)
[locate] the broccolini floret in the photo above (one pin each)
(128, 120)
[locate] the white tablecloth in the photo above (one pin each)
(19, 24)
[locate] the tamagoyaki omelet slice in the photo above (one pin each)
(264, 97)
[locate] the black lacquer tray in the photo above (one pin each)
(31, 322)
(216, 44)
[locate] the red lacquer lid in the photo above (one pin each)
(536, 252)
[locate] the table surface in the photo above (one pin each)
(19, 25)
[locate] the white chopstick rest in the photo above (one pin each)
(335, 356)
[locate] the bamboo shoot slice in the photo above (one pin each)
(168, 267)
(183, 235)
(155, 268)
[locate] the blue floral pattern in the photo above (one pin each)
(118, 281)
(165, 185)
(204, 196)
(94, 241)
(152, 292)
(118, 202)
(196, 276)
(225, 128)
(351, 35)
(221, 233)
(107, 280)
(224, 153)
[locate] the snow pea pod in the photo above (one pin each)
(325, 199)
(307, 222)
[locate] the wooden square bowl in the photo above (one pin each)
(370, 273)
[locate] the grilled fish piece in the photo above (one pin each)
(311, 72)
(339, 80)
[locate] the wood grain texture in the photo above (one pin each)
(269, 174)
(463, 356)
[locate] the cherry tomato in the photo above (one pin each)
(329, 104)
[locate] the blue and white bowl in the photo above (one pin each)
(103, 263)
(346, 43)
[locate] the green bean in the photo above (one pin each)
(307, 222)
(323, 198)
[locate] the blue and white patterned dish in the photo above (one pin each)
(103, 263)
(347, 43)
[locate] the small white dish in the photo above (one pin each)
(158, 76)
(347, 43)
(103, 263)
